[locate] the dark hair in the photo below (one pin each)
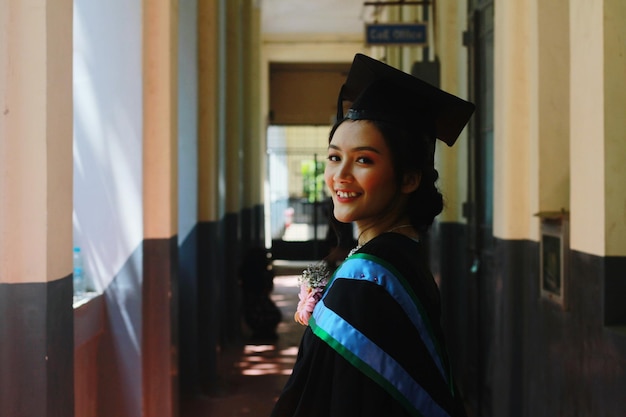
(413, 152)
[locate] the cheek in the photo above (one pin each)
(382, 183)
(328, 177)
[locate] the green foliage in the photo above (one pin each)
(312, 180)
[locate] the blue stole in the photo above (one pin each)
(364, 354)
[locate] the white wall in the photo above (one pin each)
(107, 214)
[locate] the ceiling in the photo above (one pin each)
(313, 16)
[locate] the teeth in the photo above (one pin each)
(344, 194)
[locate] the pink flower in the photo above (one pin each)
(312, 283)
(308, 299)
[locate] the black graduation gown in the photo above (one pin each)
(325, 383)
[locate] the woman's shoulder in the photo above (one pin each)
(408, 257)
(394, 247)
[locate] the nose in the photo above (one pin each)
(343, 172)
(337, 174)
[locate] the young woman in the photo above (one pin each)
(374, 345)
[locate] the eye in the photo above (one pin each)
(334, 158)
(364, 160)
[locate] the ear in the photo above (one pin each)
(410, 182)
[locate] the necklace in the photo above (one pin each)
(359, 246)
(399, 227)
(353, 250)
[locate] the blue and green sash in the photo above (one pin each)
(354, 345)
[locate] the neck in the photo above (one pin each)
(403, 227)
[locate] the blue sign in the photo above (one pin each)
(395, 34)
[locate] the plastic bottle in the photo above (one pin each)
(79, 272)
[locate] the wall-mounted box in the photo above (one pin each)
(554, 256)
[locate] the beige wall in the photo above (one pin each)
(552, 111)
(587, 127)
(559, 130)
(598, 148)
(615, 125)
(35, 140)
(514, 161)
(160, 121)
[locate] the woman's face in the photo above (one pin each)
(360, 176)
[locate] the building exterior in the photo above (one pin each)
(136, 131)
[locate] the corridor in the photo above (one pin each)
(252, 376)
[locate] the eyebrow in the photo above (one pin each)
(357, 149)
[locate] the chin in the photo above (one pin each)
(344, 218)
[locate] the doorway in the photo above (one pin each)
(297, 200)
(303, 107)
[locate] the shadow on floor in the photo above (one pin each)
(252, 376)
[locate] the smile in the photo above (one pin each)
(346, 194)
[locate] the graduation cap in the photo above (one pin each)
(381, 92)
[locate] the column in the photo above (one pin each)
(160, 198)
(36, 314)
(513, 93)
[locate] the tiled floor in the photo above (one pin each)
(253, 376)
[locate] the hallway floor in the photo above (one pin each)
(252, 376)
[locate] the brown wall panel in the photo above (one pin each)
(305, 94)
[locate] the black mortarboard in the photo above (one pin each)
(381, 92)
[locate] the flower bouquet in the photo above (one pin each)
(312, 283)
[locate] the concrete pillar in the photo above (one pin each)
(552, 109)
(514, 161)
(587, 127)
(207, 110)
(597, 125)
(210, 203)
(614, 61)
(232, 137)
(160, 199)
(253, 125)
(448, 47)
(253, 147)
(234, 104)
(36, 315)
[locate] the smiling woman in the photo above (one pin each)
(358, 175)
(374, 343)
